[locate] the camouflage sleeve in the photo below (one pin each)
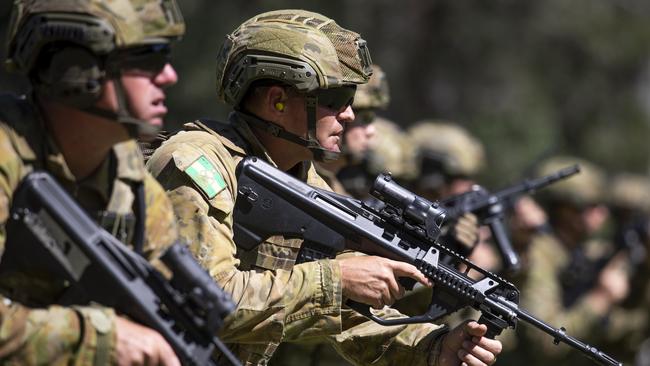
(364, 342)
(161, 228)
(304, 301)
(55, 335)
(542, 296)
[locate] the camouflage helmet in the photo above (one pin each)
(445, 149)
(69, 48)
(583, 189)
(99, 25)
(300, 48)
(390, 150)
(630, 191)
(305, 50)
(371, 96)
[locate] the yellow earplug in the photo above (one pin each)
(279, 106)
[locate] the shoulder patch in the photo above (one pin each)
(206, 176)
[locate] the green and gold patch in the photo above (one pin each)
(206, 177)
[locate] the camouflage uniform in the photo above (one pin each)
(80, 335)
(278, 301)
(30, 336)
(330, 179)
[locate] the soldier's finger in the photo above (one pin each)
(475, 329)
(478, 352)
(492, 345)
(396, 291)
(469, 359)
(401, 269)
(167, 356)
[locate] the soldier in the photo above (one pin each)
(387, 151)
(448, 160)
(98, 70)
(358, 133)
(628, 325)
(553, 267)
(291, 76)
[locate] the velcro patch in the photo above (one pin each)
(206, 176)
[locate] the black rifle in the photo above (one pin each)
(490, 209)
(404, 229)
(52, 237)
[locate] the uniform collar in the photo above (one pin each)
(124, 162)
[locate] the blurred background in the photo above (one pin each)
(529, 78)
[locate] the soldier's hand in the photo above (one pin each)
(466, 346)
(528, 218)
(614, 279)
(139, 345)
(374, 280)
(463, 234)
(466, 230)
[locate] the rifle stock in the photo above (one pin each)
(334, 222)
(52, 237)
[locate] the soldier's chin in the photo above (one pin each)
(334, 148)
(156, 121)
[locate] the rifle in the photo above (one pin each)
(490, 209)
(53, 237)
(404, 229)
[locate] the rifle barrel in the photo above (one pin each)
(559, 335)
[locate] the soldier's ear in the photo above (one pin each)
(275, 100)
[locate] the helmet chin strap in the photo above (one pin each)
(319, 153)
(137, 128)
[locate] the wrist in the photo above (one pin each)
(331, 283)
(436, 346)
(98, 339)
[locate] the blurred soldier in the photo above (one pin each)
(98, 70)
(358, 133)
(555, 263)
(628, 325)
(447, 159)
(290, 76)
(388, 151)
